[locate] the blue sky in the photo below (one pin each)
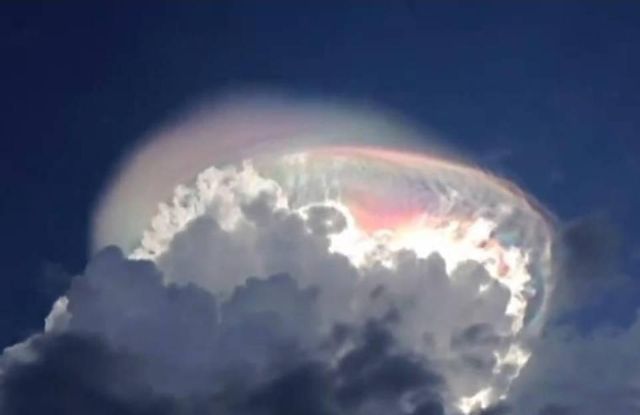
(546, 93)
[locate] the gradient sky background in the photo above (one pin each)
(546, 94)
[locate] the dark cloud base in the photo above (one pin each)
(109, 363)
(76, 374)
(135, 345)
(81, 374)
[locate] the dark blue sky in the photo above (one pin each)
(546, 93)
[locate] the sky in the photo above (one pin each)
(545, 93)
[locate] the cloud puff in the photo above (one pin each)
(261, 318)
(73, 374)
(217, 320)
(136, 346)
(271, 239)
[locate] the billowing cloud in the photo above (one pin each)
(135, 346)
(212, 320)
(334, 281)
(135, 343)
(269, 237)
(73, 374)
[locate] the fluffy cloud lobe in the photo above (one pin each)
(263, 319)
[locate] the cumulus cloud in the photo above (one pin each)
(74, 374)
(262, 318)
(216, 324)
(136, 346)
(269, 238)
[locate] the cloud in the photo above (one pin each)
(216, 324)
(271, 239)
(261, 318)
(136, 346)
(588, 256)
(572, 372)
(228, 129)
(373, 377)
(75, 374)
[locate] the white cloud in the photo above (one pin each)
(245, 293)
(266, 238)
